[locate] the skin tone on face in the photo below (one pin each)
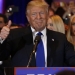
(50, 25)
(2, 22)
(71, 4)
(37, 17)
(73, 11)
(66, 27)
(51, 13)
(73, 26)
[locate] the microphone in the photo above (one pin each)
(36, 41)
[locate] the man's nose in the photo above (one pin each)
(38, 16)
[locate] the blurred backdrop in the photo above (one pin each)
(19, 7)
(18, 16)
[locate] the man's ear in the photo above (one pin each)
(27, 17)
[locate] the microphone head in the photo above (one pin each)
(37, 38)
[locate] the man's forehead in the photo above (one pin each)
(37, 9)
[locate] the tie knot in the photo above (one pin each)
(39, 33)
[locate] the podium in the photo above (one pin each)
(40, 71)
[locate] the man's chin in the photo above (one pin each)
(38, 29)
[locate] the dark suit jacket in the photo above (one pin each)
(20, 45)
(1, 71)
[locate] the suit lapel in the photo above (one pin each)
(52, 45)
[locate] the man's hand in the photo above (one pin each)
(5, 31)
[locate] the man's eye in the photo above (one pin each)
(33, 14)
(41, 12)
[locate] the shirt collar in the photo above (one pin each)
(43, 31)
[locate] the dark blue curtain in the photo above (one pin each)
(18, 17)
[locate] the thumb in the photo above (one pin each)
(9, 24)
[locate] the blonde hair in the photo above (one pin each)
(69, 32)
(58, 23)
(38, 3)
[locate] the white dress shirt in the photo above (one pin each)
(44, 39)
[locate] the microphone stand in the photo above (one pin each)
(36, 41)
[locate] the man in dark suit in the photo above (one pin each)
(20, 42)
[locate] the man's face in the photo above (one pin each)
(2, 22)
(37, 17)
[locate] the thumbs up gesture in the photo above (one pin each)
(5, 31)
